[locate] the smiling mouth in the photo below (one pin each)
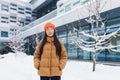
(50, 33)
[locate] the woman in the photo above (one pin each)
(50, 55)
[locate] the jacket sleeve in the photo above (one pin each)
(37, 56)
(63, 58)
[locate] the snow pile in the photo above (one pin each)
(77, 70)
(21, 68)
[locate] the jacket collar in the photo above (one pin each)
(50, 39)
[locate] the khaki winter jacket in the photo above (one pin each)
(49, 64)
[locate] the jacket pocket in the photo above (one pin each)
(44, 63)
(60, 67)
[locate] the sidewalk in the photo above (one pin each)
(109, 63)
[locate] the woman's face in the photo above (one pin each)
(50, 32)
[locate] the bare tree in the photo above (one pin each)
(35, 40)
(100, 38)
(16, 43)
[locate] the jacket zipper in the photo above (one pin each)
(50, 59)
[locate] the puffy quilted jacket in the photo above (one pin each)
(50, 64)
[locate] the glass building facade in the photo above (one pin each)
(46, 12)
(46, 7)
(113, 23)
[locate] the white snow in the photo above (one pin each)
(21, 67)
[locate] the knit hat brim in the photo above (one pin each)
(49, 25)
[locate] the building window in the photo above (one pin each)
(13, 17)
(34, 12)
(21, 8)
(28, 12)
(12, 21)
(20, 12)
(28, 8)
(28, 20)
(12, 4)
(76, 3)
(34, 15)
(84, 1)
(61, 10)
(11, 29)
(3, 21)
(26, 23)
(4, 34)
(59, 3)
(4, 17)
(13, 8)
(118, 43)
(4, 7)
(68, 7)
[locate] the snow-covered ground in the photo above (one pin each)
(21, 67)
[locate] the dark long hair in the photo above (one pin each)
(56, 43)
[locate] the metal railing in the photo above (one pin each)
(40, 20)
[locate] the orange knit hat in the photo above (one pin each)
(49, 24)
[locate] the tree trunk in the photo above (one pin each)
(15, 52)
(94, 61)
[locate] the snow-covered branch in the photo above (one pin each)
(99, 37)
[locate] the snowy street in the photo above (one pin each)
(17, 68)
(21, 67)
